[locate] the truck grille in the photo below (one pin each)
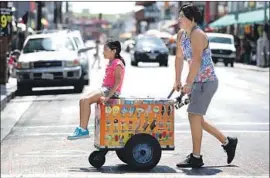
(220, 51)
(47, 64)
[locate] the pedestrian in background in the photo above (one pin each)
(96, 55)
(201, 83)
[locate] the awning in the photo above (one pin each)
(251, 17)
(256, 16)
(224, 21)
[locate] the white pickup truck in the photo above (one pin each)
(222, 48)
(52, 59)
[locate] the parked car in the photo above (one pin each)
(149, 49)
(222, 48)
(52, 59)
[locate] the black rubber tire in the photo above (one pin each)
(215, 60)
(232, 64)
(97, 159)
(23, 89)
(226, 63)
(155, 151)
(134, 63)
(78, 88)
(163, 63)
(86, 82)
(121, 155)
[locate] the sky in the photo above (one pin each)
(103, 7)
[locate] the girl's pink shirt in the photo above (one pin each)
(109, 78)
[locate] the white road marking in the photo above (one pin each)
(92, 173)
(176, 124)
(52, 88)
(176, 132)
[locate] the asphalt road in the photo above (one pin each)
(36, 146)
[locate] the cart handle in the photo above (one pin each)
(171, 93)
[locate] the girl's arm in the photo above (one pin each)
(179, 58)
(117, 75)
(197, 45)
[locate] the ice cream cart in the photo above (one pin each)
(138, 129)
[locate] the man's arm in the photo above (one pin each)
(179, 58)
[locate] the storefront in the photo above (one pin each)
(149, 13)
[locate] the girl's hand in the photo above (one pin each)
(104, 99)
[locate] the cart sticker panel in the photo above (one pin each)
(123, 120)
(97, 124)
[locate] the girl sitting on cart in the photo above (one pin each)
(111, 87)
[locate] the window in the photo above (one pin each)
(78, 42)
(223, 40)
(150, 41)
(48, 44)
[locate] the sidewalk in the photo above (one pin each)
(251, 67)
(8, 92)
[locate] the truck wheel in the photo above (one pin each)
(23, 89)
(134, 63)
(214, 60)
(163, 63)
(143, 152)
(121, 155)
(78, 88)
(97, 159)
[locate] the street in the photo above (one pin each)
(37, 144)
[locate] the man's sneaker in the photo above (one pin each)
(230, 148)
(78, 133)
(191, 161)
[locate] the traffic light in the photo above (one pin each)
(100, 16)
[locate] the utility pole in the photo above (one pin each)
(55, 14)
(236, 17)
(39, 15)
(265, 14)
(67, 13)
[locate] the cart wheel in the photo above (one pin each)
(143, 152)
(96, 159)
(121, 155)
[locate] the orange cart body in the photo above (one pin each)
(120, 119)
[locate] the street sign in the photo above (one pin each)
(5, 21)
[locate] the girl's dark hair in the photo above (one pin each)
(117, 46)
(192, 12)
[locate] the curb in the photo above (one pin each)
(6, 98)
(250, 67)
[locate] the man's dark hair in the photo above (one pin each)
(192, 12)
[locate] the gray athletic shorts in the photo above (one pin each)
(201, 96)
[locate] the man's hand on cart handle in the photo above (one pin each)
(177, 86)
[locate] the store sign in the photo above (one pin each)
(5, 21)
(151, 11)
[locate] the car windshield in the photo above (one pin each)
(214, 39)
(48, 44)
(150, 42)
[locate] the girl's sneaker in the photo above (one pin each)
(79, 133)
